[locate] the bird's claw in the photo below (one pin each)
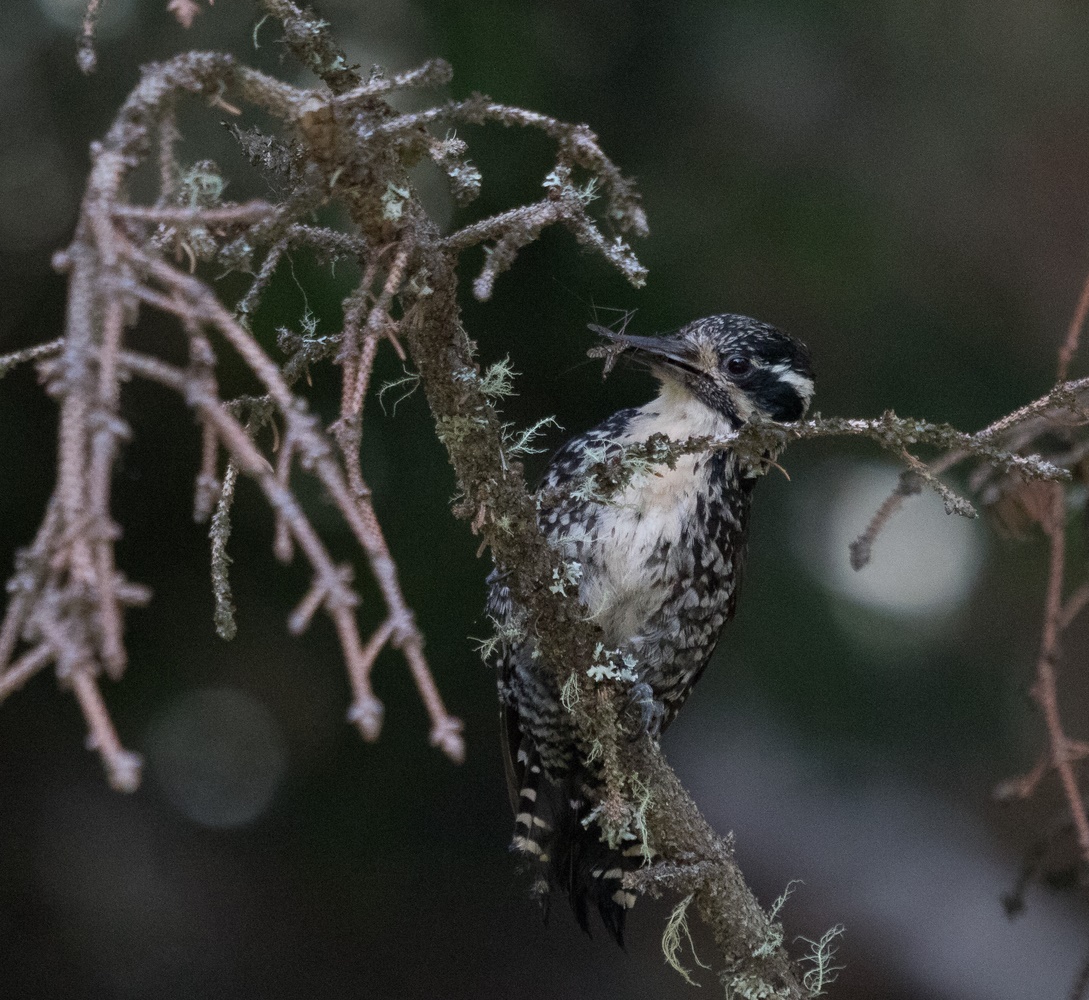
(651, 710)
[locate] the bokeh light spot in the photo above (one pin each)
(925, 562)
(219, 756)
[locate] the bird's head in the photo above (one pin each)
(737, 366)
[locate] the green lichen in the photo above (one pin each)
(522, 442)
(612, 665)
(507, 633)
(410, 383)
(775, 930)
(569, 693)
(676, 935)
(820, 957)
(497, 381)
(568, 576)
(393, 201)
(747, 986)
(455, 430)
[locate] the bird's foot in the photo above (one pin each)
(651, 710)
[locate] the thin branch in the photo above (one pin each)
(954, 502)
(322, 240)
(517, 228)
(433, 73)
(122, 766)
(1024, 786)
(1073, 607)
(313, 45)
(24, 668)
(9, 361)
(109, 428)
(315, 453)
(367, 711)
(861, 549)
(281, 543)
(220, 532)
(578, 146)
(338, 599)
(242, 214)
(208, 489)
(32, 564)
(1066, 404)
(1045, 690)
(1073, 334)
(86, 57)
(167, 138)
(248, 302)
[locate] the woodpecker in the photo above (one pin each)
(657, 567)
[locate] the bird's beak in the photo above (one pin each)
(671, 350)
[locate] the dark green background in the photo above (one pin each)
(901, 185)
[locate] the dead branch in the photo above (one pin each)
(1045, 690)
(1073, 334)
(1025, 463)
(342, 142)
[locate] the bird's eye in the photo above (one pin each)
(737, 365)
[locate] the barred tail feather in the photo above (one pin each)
(567, 855)
(535, 823)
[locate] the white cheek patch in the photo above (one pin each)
(801, 383)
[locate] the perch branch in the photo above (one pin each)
(346, 144)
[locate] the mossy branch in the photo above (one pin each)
(343, 142)
(340, 142)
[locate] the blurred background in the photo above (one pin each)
(903, 186)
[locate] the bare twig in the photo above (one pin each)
(122, 766)
(315, 453)
(219, 533)
(223, 215)
(861, 549)
(1073, 334)
(208, 487)
(15, 676)
(1045, 690)
(1073, 607)
(86, 57)
(9, 361)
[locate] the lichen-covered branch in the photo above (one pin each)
(342, 142)
(68, 598)
(495, 498)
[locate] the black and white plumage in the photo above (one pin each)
(657, 567)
